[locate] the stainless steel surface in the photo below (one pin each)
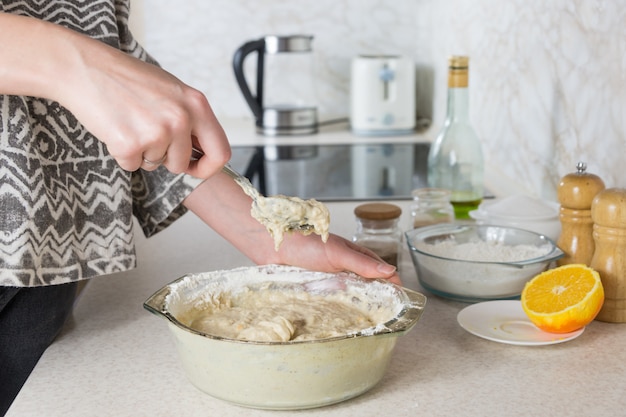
(295, 43)
(233, 174)
(288, 121)
(277, 153)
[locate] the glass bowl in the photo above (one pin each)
(295, 374)
(474, 263)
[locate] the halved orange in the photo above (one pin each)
(563, 299)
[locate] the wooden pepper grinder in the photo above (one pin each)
(608, 212)
(576, 192)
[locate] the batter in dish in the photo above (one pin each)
(281, 316)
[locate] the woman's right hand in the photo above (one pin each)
(139, 111)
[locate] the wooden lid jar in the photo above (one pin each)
(608, 212)
(576, 192)
(377, 230)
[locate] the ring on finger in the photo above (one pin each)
(155, 163)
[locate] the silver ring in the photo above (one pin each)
(155, 163)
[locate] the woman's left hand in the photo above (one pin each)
(221, 203)
(337, 254)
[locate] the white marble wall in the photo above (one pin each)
(548, 78)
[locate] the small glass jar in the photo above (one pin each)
(377, 230)
(431, 206)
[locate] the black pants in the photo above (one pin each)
(30, 319)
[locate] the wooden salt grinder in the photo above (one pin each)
(575, 193)
(608, 212)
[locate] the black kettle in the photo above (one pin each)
(284, 100)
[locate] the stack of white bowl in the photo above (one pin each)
(523, 212)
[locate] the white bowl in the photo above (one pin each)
(522, 212)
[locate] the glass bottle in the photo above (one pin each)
(377, 229)
(431, 206)
(455, 160)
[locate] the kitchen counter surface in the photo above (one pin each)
(116, 359)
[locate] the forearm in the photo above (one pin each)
(36, 56)
(221, 204)
(138, 110)
(46, 60)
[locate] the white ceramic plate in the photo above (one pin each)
(504, 321)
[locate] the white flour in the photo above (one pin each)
(482, 251)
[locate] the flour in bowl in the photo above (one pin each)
(481, 251)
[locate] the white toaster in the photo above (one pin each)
(382, 95)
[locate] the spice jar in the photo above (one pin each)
(576, 192)
(431, 206)
(377, 230)
(608, 212)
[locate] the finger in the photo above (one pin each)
(209, 163)
(128, 161)
(362, 249)
(369, 265)
(154, 163)
(210, 138)
(178, 154)
(150, 163)
(196, 154)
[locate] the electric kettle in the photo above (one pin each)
(284, 101)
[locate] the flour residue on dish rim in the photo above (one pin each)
(379, 300)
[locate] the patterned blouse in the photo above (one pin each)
(66, 207)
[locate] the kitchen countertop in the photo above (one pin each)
(116, 359)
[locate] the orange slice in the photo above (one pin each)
(563, 299)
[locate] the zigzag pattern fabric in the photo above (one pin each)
(66, 207)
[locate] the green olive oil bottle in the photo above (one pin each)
(455, 160)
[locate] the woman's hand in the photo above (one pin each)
(221, 203)
(337, 254)
(144, 115)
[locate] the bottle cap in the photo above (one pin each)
(458, 69)
(577, 190)
(377, 211)
(458, 62)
